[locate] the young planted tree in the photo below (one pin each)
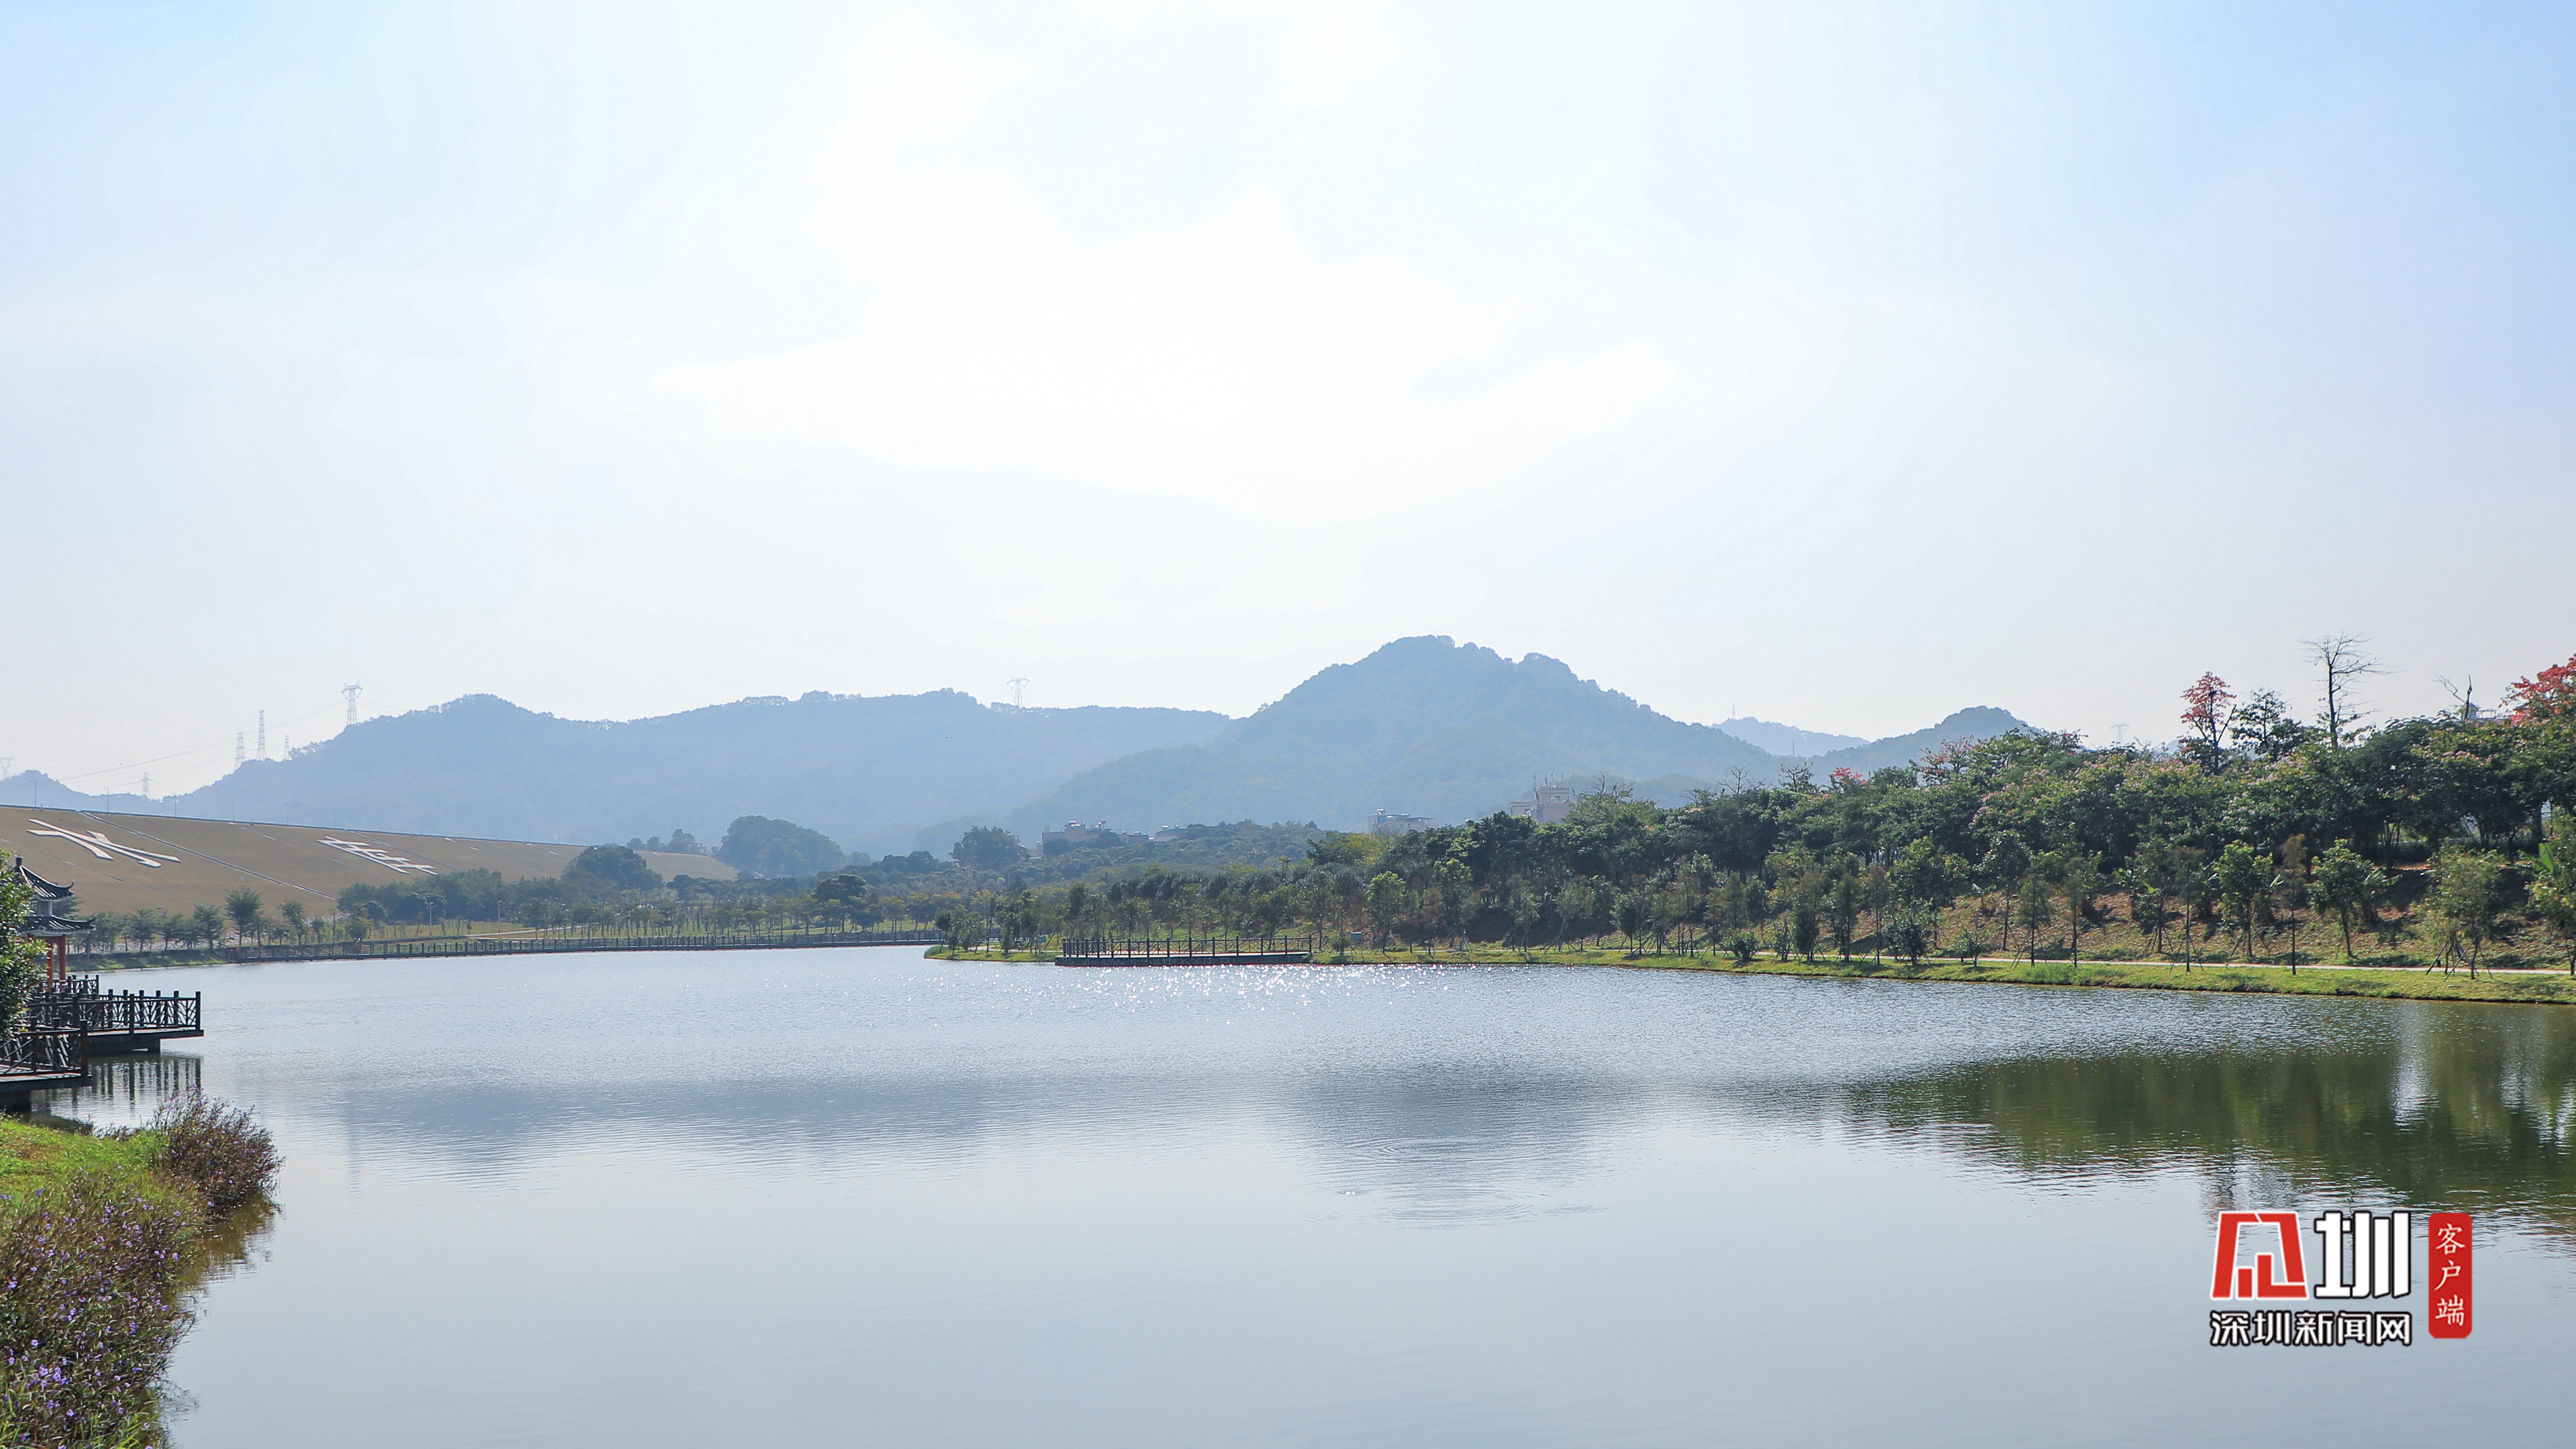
(2244, 881)
(1630, 915)
(2036, 911)
(2007, 860)
(2290, 888)
(2148, 909)
(1926, 879)
(2080, 882)
(2347, 887)
(2470, 890)
(246, 912)
(1386, 905)
(1908, 939)
(1842, 912)
(2552, 899)
(1806, 925)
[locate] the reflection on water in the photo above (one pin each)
(2467, 1109)
(125, 1089)
(680, 1200)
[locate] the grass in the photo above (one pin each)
(2542, 988)
(33, 1157)
(102, 1237)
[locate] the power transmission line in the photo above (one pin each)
(350, 692)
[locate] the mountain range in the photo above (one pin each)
(1423, 726)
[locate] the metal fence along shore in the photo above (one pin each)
(419, 946)
(1186, 949)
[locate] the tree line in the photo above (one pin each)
(2440, 840)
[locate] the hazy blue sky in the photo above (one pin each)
(1843, 365)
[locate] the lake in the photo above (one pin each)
(859, 1197)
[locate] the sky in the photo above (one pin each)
(1841, 365)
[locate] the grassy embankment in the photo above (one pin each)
(2518, 986)
(102, 1238)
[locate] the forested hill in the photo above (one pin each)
(1422, 727)
(864, 769)
(1982, 723)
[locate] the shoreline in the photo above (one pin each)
(2527, 988)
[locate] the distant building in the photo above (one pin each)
(1392, 824)
(1074, 833)
(1546, 803)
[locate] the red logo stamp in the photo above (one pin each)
(2446, 1274)
(2236, 1280)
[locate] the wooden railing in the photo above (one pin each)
(44, 1051)
(117, 1011)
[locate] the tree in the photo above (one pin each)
(2195, 889)
(2263, 728)
(2469, 896)
(206, 924)
(2347, 886)
(1524, 908)
(246, 912)
(2244, 880)
(1457, 887)
(1908, 939)
(618, 868)
(778, 849)
(2037, 911)
(2082, 885)
(1926, 878)
(293, 914)
(21, 959)
(1386, 904)
(2148, 906)
(988, 847)
(1842, 912)
(2342, 660)
(2552, 900)
(2549, 695)
(1630, 915)
(2290, 888)
(1804, 926)
(2204, 716)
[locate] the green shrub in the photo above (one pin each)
(216, 1149)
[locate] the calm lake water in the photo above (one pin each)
(858, 1197)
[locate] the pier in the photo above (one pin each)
(116, 1021)
(38, 1059)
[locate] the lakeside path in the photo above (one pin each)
(2538, 988)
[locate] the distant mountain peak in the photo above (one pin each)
(1787, 740)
